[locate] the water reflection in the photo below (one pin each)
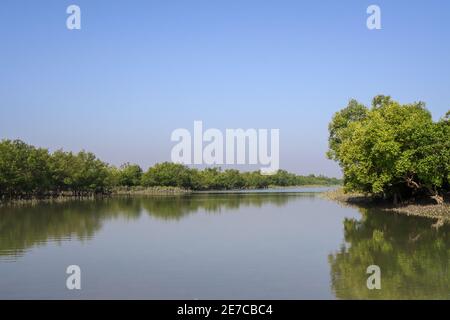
(413, 256)
(23, 227)
(275, 246)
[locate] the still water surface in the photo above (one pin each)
(283, 244)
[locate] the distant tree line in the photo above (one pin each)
(27, 171)
(392, 150)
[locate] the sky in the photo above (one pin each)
(138, 70)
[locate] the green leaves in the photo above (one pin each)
(177, 175)
(130, 175)
(23, 168)
(338, 128)
(390, 148)
(26, 170)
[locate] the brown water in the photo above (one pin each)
(290, 244)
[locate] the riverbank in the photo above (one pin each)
(439, 212)
(147, 191)
(118, 191)
(137, 191)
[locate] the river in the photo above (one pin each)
(281, 244)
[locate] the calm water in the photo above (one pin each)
(292, 245)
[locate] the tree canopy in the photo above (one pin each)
(27, 171)
(391, 149)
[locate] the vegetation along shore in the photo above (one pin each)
(394, 156)
(27, 172)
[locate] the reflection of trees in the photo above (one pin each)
(414, 258)
(176, 207)
(22, 227)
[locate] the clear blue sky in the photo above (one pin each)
(137, 70)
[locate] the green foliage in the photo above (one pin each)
(23, 168)
(341, 120)
(391, 149)
(129, 175)
(79, 173)
(209, 179)
(169, 175)
(177, 175)
(26, 171)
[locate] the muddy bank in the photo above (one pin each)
(438, 212)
